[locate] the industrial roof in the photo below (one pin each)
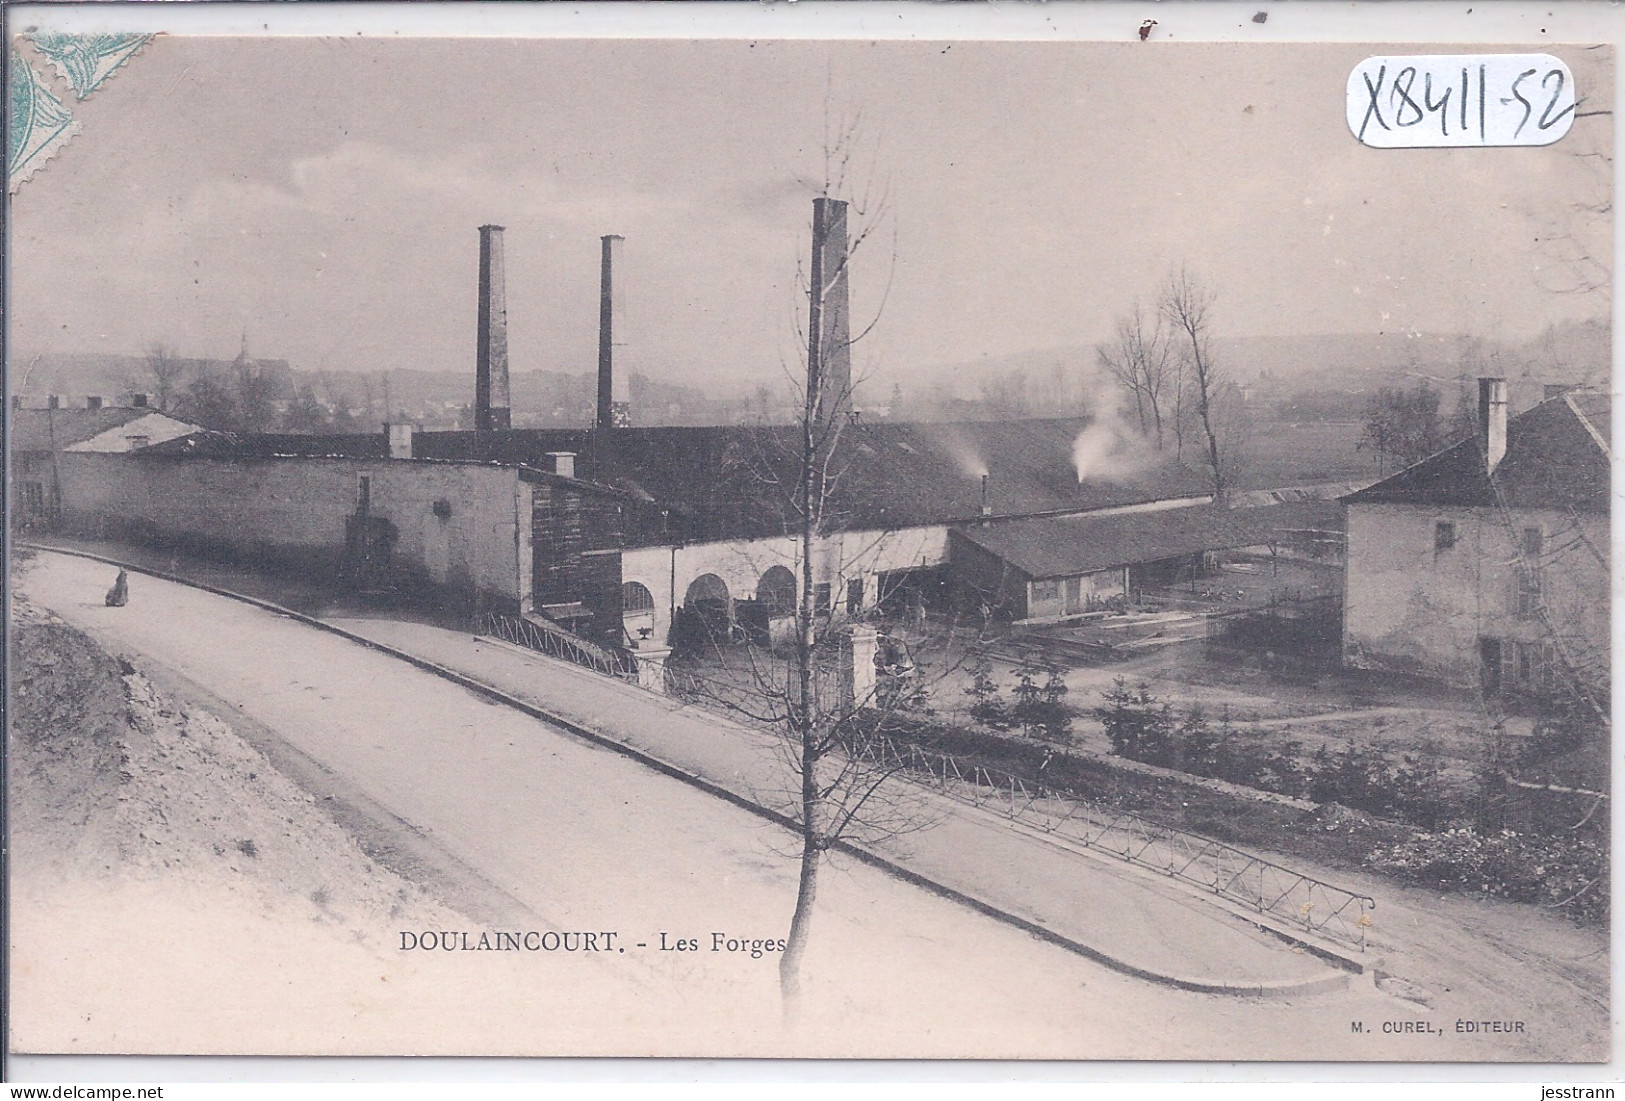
(1557, 456)
(1066, 546)
(739, 481)
(209, 444)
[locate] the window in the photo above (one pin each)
(821, 596)
(1444, 535)
(1512, 666)
(136, 443)
(636, 598)
(1532, 543)
(1525, 592)
(637, 612)
(1526, 574)
(1046, 592)
(854, 596)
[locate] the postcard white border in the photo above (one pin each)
(1479, 22)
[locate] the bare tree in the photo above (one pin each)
(836, 786)
(1187, 304)
(1140, 358)
(1403, 425)
(1578, 238)
(1006, 395)
(826, 689)
(164, 370)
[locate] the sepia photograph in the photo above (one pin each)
(824, 548)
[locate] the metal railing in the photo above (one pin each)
(554, 641)
(1261, 885)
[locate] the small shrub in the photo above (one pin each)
(1039, 708)
(987, 705)
(1564, 873)
(1138, 727)
(1359, 777)
(1054, 718)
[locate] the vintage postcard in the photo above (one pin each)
(935, 547)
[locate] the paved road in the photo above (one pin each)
(590, 840)
(1138, 921)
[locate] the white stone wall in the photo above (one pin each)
(741, 563)
(1412, 607)
(296, 508)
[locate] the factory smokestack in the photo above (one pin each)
(829, 333)
(491, 404)
(614, 389)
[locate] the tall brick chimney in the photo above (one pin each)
(1492, 421)
(829, 332)
(614, 388)
(491, 406)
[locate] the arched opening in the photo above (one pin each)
(637, 611)
(707, 615)
(776, 598)
(706, 587)
(777, 591)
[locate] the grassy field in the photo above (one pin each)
(1274, 453)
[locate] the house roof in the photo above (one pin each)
(209, 444)
(1066, 546)
(1557, 456)
(739, 481)
(45, 429)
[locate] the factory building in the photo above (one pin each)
(624, 534)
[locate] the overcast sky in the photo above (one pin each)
(323, 195)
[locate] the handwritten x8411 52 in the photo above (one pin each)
(1460, 100)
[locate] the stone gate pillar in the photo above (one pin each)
(651, 664)
(858, 666)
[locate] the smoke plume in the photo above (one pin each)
(1110, 448)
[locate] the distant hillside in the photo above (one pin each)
(1316, 376)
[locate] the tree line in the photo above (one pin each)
(254, 395)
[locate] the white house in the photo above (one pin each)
(1487, 563)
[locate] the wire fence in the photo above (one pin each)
(555, 642)
(1263, 886)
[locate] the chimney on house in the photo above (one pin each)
(564, 463)
(1492, 421)
(987, 508)
(400, 440)
(614, 389)
(829, 333)
(491, 407)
